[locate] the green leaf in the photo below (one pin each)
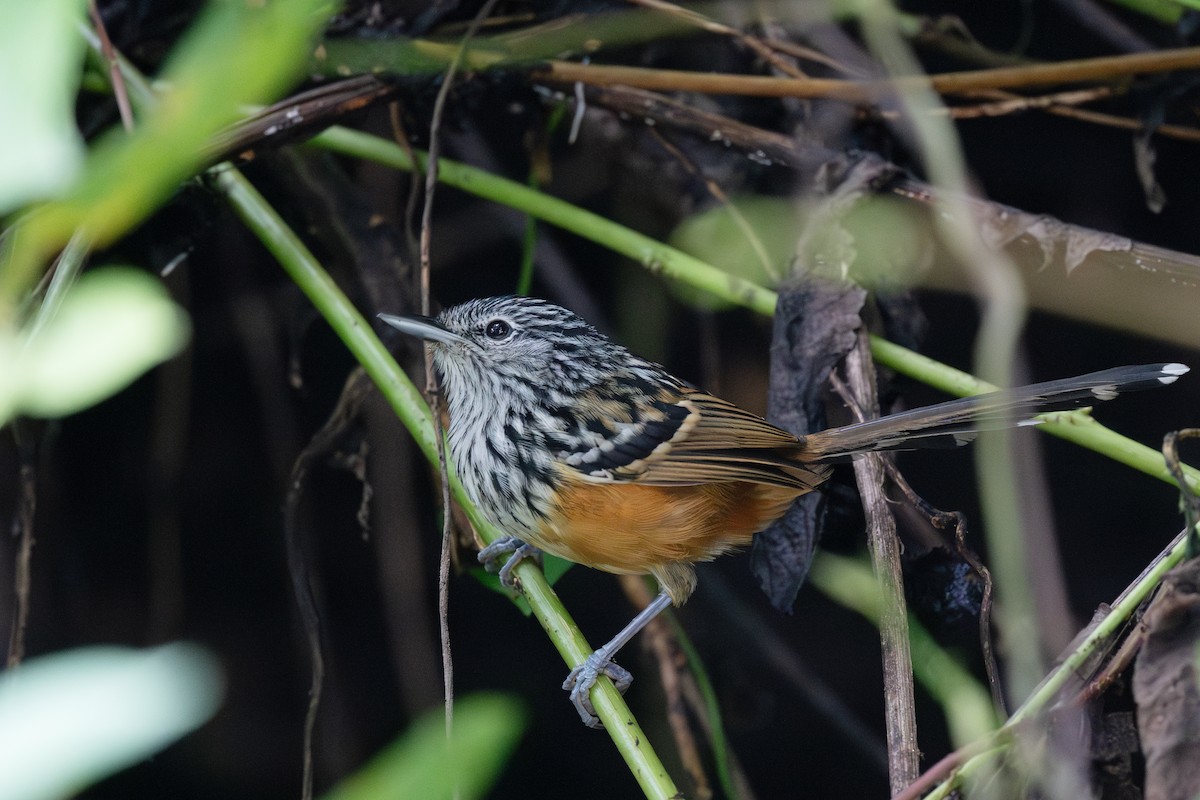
(112, 326)
(751, 237)
(1168, 11)
(68, 719)
(422, 763)
(236, 54)
(41, 50)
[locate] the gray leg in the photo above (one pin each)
(579, 683)
(516, 552)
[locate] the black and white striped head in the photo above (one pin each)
(520, 339)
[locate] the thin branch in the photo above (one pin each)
(900, 710)
(114, 69)
(799, 51)
(658, 640)
(993, 278)
(940, 519)
(1007, 103)
(1115, 666)
(714, 189)
(760, 48)
(938, 772)
(322, 443)
(414, 185)
(1093, 17)
(1189, 500)
(23, 527)
(1184, 133)
(1069, 667)
(431, 392)
(1078, 71)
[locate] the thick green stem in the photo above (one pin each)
(406, 400)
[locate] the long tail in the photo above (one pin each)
(956, 422)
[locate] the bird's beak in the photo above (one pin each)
(423, 328)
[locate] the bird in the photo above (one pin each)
(571, 444)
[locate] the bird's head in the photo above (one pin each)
(519, 339)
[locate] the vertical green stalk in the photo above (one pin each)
(1002, 317)
(406, 400)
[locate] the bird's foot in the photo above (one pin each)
(581, 680)
(513, 551)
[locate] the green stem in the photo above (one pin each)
(1075, 426)
(650, 253)
(712, 707)
(406, 400)
(674, 264)
(1071, 666)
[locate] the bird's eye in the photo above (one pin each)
(497, 329)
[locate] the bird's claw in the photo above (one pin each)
(581, 680)
(516, 552)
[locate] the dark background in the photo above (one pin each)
(159, 511)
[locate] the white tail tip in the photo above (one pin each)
(1172, 372)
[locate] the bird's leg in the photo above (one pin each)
(579, 683)
(516, 552)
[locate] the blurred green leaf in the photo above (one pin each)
(1168, 11)
(755, 238)
(236, 54)
(751, 237)
(965, 702)
(423, 764)
(561, 38)
(40, 56)
(68, 719)
(891, 238)
(112, 326)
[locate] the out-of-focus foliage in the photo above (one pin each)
(69, 719)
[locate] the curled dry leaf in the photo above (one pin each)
(1166, 687)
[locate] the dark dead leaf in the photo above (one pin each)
(1167, 690)
(815, 324)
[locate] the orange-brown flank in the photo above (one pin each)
(631, 528)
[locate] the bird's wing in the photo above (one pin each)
(685, 437)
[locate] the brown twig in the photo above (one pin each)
(884, 546)
(761, 49)
(1063, 104)
(949, 36)
(414, 184)
(719, 195)
(114, 69)
(1191, 503)
(659, 641)
(940, 519)
(1005, 103)
(867, 91)
(426, 236)
(939, 771)
(1093, 17)
(809, 54)
(1181, 132)
(321, 444)
(23, 526)
(1115, 666)
(297, 117)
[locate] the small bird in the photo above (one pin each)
(572, 445)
